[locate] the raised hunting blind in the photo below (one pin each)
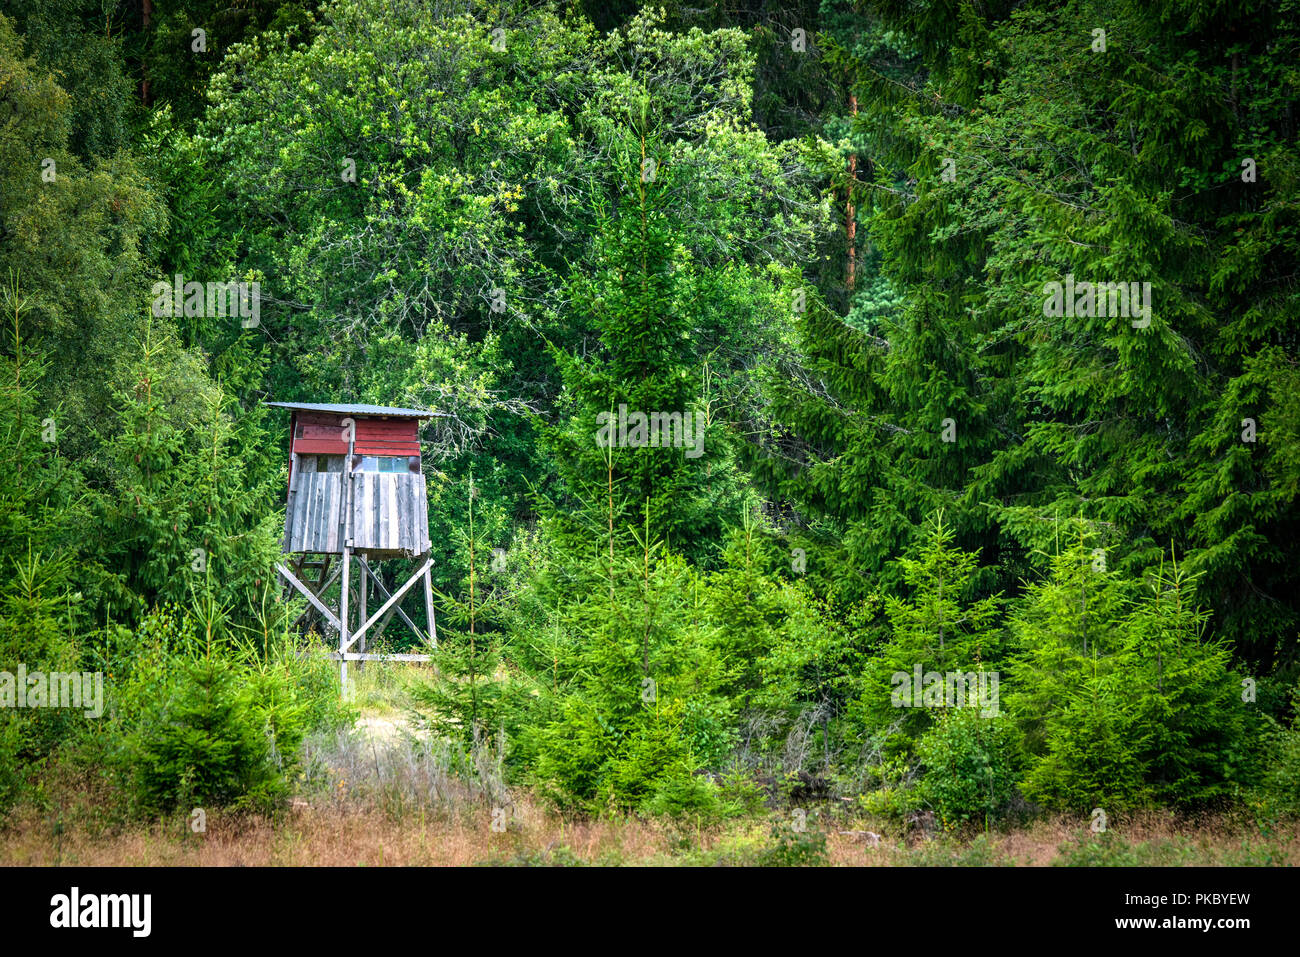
(356, 491)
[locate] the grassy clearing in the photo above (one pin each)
(370, 837)
(389, 794)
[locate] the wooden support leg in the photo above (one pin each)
(285, 588)
(343, 619)
(428, 606)
(361, 616)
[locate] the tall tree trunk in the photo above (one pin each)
(850, 214)
(146, 14)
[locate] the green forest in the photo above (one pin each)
(858, 424)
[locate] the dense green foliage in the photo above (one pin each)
(816, 247)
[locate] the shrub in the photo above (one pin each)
(34, 633)
(1090, 758)
(794, 848)
(1278, 791)
(225, 738)
(741, 794)
(970, 766)
(1120, 710)
(681, 794)
(315, 679)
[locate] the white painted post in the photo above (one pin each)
(428, 606)
(361, 616)
(350, 427)
(343, 621)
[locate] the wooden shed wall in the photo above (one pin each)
(387, 437)
(312, 523)
(389, 513)
(319, 433)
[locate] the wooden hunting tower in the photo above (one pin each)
(356, 491)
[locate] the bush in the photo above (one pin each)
(1278, 792)
(794, 848)
(1090, 759)
(1146, 711)
(970, 766)
(33, 632)
(741, 794)
(684, 795)
(315, 679)
(226, 738)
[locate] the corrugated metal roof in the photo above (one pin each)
(359, 409)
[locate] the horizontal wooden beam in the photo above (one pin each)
(372, 656)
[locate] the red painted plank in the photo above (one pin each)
(318, 418)
(365, 427)
(404, 424)
(363, 436)
(401, 452)
(321, 432)
(320, 447)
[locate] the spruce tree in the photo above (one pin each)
(939, 626)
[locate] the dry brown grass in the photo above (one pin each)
(390, 795)
(1157, 838)
(331, 835)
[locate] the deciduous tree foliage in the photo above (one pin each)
(834, 237)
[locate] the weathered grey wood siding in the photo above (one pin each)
(312, 524)
(390, 513)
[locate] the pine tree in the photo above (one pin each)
(643, 709)
(1153, 713)
(1191, 722)
(475, 697)
(203, 746)
(642, 360)
(1063, 629)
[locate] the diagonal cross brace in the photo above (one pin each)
(293, 580)
(392, 600)
(319, 589)
(384, 591)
